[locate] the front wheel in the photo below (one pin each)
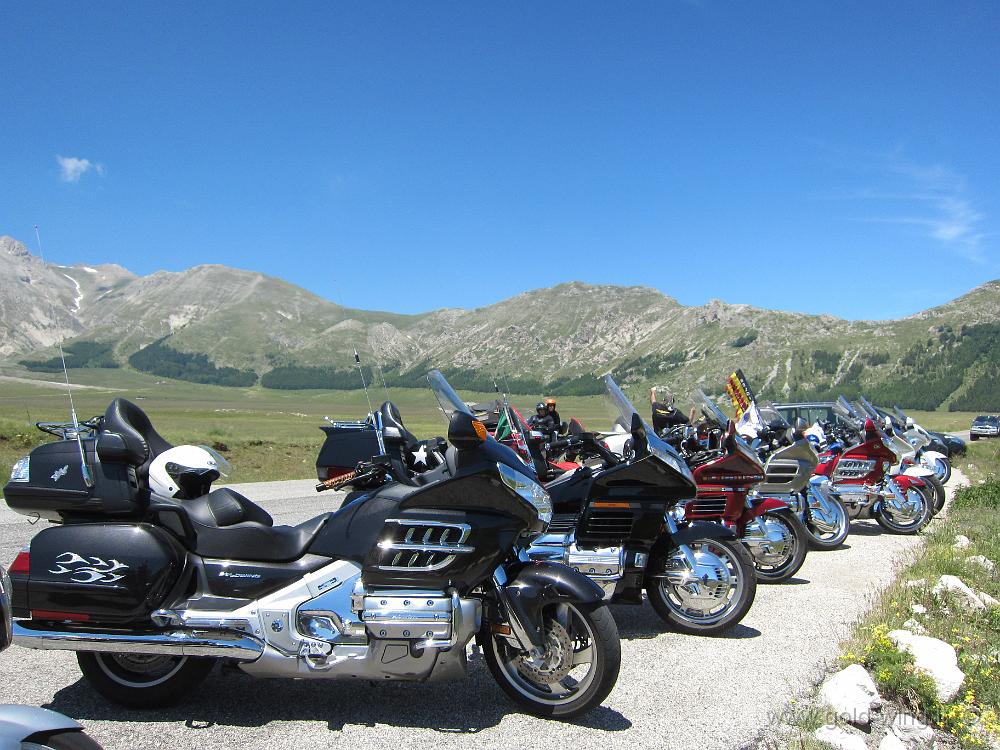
(935, 489)
(828, 527)
(785, 550)
(74, 739)
(942, 469)
(708, 597)
(572, 673)
(142, 680)
(912, 517)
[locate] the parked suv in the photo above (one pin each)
(984, 426)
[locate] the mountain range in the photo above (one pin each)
(214, 319)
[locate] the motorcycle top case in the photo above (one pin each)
(110, 573)
(343, 449)
(55, 488)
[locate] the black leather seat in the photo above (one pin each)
(128, 435)
(228, 525)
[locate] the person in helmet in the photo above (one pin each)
(550, 405)
(541, 420)
(665, 413)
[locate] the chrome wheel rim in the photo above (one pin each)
(140, 670)
(693, 598)
(789, 542)
(566, 667)
(912, 517)
(840, 525)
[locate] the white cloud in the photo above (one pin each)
(932, 198)
(72, 168)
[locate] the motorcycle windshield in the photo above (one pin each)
(446, 397)
(709, 409)
(658, 448)
(843, 409)
(772, 417)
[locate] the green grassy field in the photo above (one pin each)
(265, 434)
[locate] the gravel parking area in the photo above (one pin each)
(675, 691)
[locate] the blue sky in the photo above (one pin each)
(822, 157)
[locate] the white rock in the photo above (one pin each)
(983, 562)
(962, 542)
(912, 731)
(892, 742)
(917, 583)
(852, 694)
(956, 586)
(988, 600)
(936, 658)
(915, 627)
(918, 609)
(840, 738)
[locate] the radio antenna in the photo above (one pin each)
(361, 372)
(88, 479)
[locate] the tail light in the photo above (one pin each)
(21, 564)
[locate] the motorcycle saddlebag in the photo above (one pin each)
(345, 445)
(55, 488)
(102, 573)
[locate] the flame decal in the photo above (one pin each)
(88, 569)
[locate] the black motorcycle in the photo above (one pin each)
(153, 591)
(613, 520)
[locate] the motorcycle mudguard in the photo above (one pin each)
(532, 586)
(18, 723)
(762, 506)
(699, 530)
(905, 482)
(918, 471)
(932, 456)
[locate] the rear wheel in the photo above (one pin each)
(709, 598)
(914, 515)
(143, 680)
(572, 673)
(785, 557)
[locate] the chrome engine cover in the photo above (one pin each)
(605, 566)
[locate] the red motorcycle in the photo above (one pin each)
(726, 470)
(860, 478)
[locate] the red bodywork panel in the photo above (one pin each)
(729, 478)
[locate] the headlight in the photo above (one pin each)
(530, 490)
(20, 471)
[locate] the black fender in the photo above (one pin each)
(697, 530)
(532, 586)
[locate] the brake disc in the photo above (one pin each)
(555, 662)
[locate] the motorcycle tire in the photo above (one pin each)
(73, 739)
(819, 542)
(531, 687)
(798, 537)
(887, 522)
(937, 489)
(139, 681)
(663, 596)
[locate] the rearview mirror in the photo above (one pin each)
(465, 431)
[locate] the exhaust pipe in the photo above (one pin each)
(227, 644)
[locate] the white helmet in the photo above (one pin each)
(186, 471)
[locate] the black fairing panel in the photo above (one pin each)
(354, 529)
(344, 448)
(55, 488)
(114, 573)
(491, 538)
(642, 479)
(243, 579)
